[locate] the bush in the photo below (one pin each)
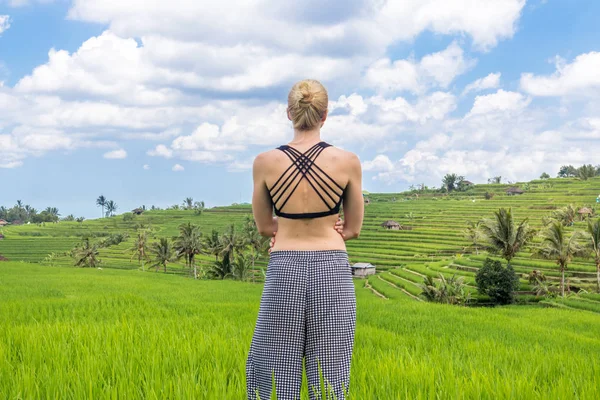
(498, 282)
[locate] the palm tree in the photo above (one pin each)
(188, 203)
(199, 207)
(593, 231)
(473, 233)
(52, 211)
(566, 216)
(212, 244)
(101, 202)
(556, 245)
(501, 235)
(449, 291)
(140, 248)
(258, 244)
(240, 267)
(87, 254)
(111, 207)
(188, 244)
(163, 253)
(231, 242)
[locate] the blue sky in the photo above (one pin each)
(149, 102)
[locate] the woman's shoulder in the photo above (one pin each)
(345, 155)
(267, 157)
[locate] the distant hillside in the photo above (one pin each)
(435, 241)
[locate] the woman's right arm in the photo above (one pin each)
(354, 206)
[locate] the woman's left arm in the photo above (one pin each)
(261, 202)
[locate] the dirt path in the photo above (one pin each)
(374, 291)
(401, 289)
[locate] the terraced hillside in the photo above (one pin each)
(434, 244)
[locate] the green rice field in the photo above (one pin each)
(115, 334)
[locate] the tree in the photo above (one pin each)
(86, 255)
(502, 237)
(140, 248)
(188, 203)
(557, 246)
(473, 234)
(212, 244)
(544, 175)
(101, 202)
(163, 253)
(448, 291)
(593, 244)
(240, 267)
(258, 244)
(450, 181)
(567, 171)
(495, 180)
(496, 281)
(566, 216)
(111, 207)
(188, 244)
(585, 172)
(198, 207)
(231, 243)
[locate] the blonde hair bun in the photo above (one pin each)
(307, 104)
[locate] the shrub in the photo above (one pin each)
(498, 282)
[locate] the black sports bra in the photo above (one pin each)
(303, 167)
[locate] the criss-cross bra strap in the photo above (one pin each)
(304, 167)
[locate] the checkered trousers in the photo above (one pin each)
(307, 309)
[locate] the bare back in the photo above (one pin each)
(319, 183)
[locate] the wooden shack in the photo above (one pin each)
(392, 225)
(585, 212)
(361, 270)
(514, 190)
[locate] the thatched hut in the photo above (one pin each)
(137, 211)
(392, 225)
(361, 270)
(3, 222)
(514, 190)
(585, 212)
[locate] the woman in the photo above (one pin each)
(308, 305)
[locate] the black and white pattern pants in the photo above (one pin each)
(307, 309)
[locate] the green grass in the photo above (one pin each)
(104, 334)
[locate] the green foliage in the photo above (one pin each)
(557, 246)
(163, 253)
(189, 244)
(501, 235)
(496, 281)
(86, 254)
(447, 291)
(544, 176)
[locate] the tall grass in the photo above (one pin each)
(114, 334)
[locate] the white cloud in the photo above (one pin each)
(4, 23)
(356, 26)
(146, 167)
(579, 78)
(116, 154)
(434, 70)
(178, 168)
(492, 81)
(499, 101)
(379, 163)
(161, 151)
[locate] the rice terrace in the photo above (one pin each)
(138, 325)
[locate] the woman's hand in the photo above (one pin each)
(339, 227)
(272, 243)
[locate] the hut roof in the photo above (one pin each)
(585, 210)
(389, 223)
(363, 265)
(468, 182)
(515, 189)
(3, 222)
